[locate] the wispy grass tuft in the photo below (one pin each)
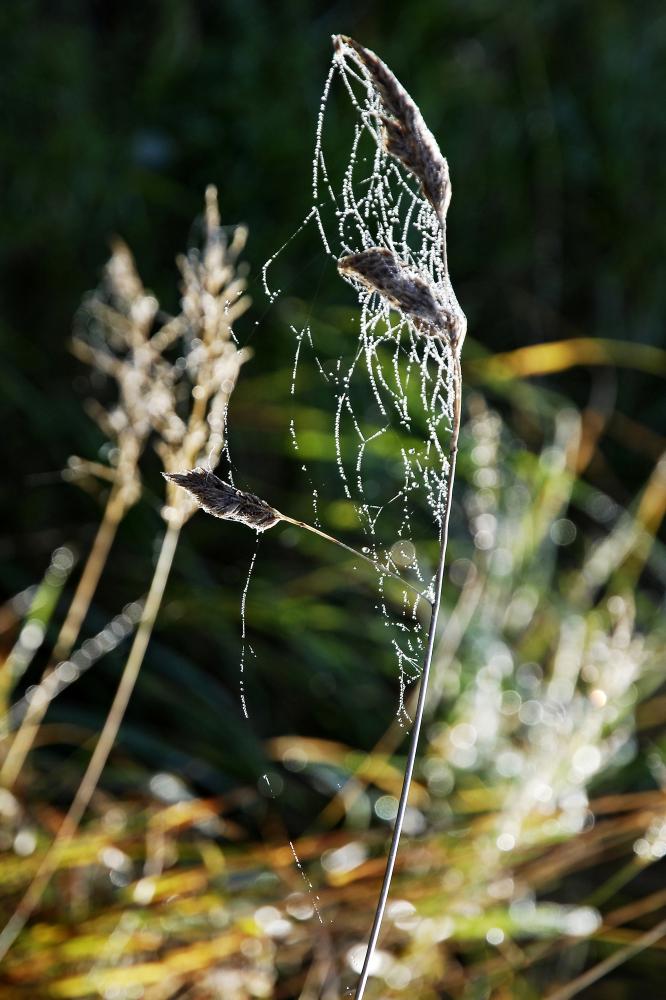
(187, 426)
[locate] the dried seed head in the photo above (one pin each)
(406, 135)
(427, 300)
(222, 500)
(379, 270)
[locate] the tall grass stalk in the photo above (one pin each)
(430, 307)
(423, 692)
(149, 403)
(432, 310)
(104, 745)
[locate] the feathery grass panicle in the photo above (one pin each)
(213, 298)
(113, 337)
(225, 501)
(149, 402)
(125, 336)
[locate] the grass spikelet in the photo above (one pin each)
(223, 500)
(379, 270)
(405, 134)
(432, 308)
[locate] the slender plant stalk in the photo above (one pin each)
(427, 301)
(20, 747)
(104, 745)
(423, 690)
(350, 548)
(391, 739)
(602, 969)
(220, 499)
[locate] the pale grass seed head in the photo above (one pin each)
(213, 298)
(174, 375)
(117, 342)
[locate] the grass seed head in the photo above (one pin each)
(223, 500)
(405, 134)
(431, 306)
(379, 270)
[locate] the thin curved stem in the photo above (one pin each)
(104, 745)
(602, 969)
(420, 705)
(360, 555)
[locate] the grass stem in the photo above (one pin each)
(597, 972)
(423, 690)
(104, 745)
(360, 555)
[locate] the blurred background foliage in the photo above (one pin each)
(116, 117)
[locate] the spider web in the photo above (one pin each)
(386, 389)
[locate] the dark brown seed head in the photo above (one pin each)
(381, 271)
(223, 500)
(406, 135)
